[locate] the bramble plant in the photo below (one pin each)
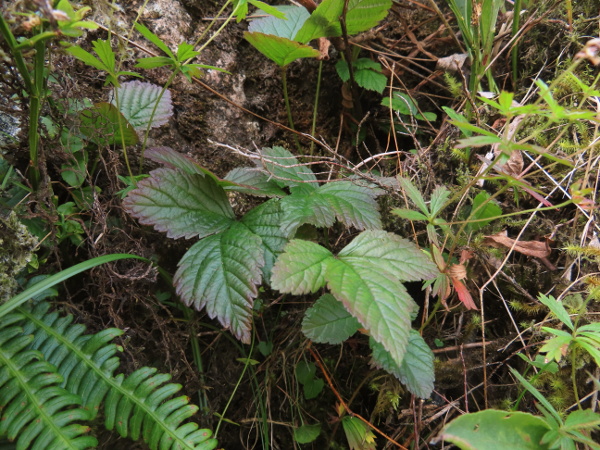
(222, 271)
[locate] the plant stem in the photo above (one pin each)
(313, 128)
(515, 50)
(287, 105)
(237, 385)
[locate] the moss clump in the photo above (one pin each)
(16, 251)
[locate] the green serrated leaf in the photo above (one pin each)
(300, 209)
(87, 58)
(280, 50)
(416, 371)
(301, 268)
(409, 214)
(379, 302)
(390, 253)
(478, 212)
(153, 62)
(284, 28)
(264, 221)
(144, 31)
(180, 204)
(288, 172)
(439, 197)
(414, 195)
(105, 53)
(350, 203)
(253, 181)
(492, 429)
(361, 15)
(582, 419)
(557, 309)
(272, 10)
(328, 322)
(220, 273)
(144, 105)
(104, 125)
(306, 434)
(371, 80)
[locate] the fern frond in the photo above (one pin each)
(35, 410)
(137, 406)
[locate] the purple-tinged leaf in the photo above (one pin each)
(253, 181)
(220, 273)
(175, 160)
(180, 204)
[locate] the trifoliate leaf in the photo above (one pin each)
(264, 221)
(389, 252)
(254, 181)
(379, 302)
(328, 322)
(287, 170)
(285, 28)
(416, 370)
(180, 204)
(301, 268)
(144, 105)
(280, 50)
(220, 273)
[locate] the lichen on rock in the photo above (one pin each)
(16, 251)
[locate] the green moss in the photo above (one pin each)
(16, 251)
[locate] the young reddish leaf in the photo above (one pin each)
(180, 204)
(301, 268)
(220, 273)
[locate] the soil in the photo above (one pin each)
(132, 297)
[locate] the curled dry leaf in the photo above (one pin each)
(537, 249)
(590, 51)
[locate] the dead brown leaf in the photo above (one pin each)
(537, 249)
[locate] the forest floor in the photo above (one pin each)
(506, 262)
